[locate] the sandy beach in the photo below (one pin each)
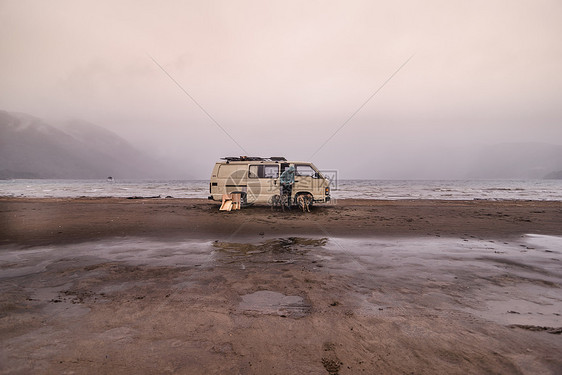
(114, 285)
(52, 221)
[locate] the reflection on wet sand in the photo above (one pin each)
(280, 250)
(242, 305)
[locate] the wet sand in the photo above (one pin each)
(51, 221)
(174, 286)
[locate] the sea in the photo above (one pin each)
(539, 190)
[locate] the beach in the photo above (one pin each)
(63, 220)
(116, 285)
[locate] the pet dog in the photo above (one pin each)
(304, 201)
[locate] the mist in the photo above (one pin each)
(281, 78)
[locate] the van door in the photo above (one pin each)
(263, 182)
(306, 180)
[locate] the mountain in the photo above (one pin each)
(556, 175)
(517, 161)
(31, 148)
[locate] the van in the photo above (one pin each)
(257, 180)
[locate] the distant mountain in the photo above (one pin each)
(518, 160)
(557, 175)
(31, 148)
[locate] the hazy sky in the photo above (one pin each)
(281, 76)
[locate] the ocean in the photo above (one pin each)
(542, 190)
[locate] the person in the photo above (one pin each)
(286, 181)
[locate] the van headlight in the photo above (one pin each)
(327, 191)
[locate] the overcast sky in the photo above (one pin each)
(282, 76)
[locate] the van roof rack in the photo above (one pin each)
(253, 158)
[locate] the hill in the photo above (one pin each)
(32, 148)
(517, 161)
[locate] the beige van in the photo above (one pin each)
(257, 179)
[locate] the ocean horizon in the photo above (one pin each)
(540, 190)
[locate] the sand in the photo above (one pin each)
(51, 221)
(106, 285)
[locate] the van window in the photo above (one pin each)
(305, 170)
(264, 171)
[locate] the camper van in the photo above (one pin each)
(257, 179)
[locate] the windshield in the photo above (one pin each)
(306, 170)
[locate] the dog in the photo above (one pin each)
(277, 201)
(304, 201)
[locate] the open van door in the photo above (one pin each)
(306, 179)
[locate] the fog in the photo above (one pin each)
(281, 77)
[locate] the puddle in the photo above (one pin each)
(532, 255)
(515, 282)
(537, 312)
(293, 245)
(15, 263)
(550, 244)
(511, 283)
(274, 303)
(140, 251)
(278, 250)
(133, 251)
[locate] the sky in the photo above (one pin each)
(181, 79)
